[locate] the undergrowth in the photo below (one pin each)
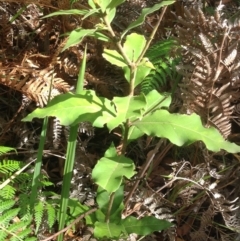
(30, 206)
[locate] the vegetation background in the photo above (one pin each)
(189, 178)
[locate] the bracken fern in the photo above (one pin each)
(165, 72)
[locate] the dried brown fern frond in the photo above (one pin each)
(34, 84)
(210, 66)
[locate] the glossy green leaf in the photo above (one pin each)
(134, 45)
(183, 130)
(102, 4)
(67, 12)
(114, 57)
(155, 100)
(129, 107)
(115, 3)
(91, 12)
(134, 133)
(103, 198)
(142, 71)
(144, 13)
(92, 4)
(109, 172)
(144, 226)
(101, 36)
(111, 14)
(71, 109)
(77, 35)
(107, 230)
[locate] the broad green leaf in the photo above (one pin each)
(101, 36)
(129, 107)
(111, 14)
(155, 100)
(114, 57)
(103, 198)
(134, 45)
(144, 226)
(107, 230)
(109, 172)
(110, 152)
(102, 4)
(183, 129)
(67, 12)
(144, 13)
(143, 70)
(71, 109)
(115, 3)
(75, 208)
(134, 133)
(77, 35)
(92, 4)
(91, 12)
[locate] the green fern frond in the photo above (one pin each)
(51, 214)
(5, 149)
(165, 67)
(5, 205)
(3, 234)
(7, 216)
(9, 166)
(7, 192)
(38, 214)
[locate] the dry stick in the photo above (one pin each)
(71, 224)
(152, 35)
(146, 166)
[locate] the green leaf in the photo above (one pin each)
(71, 109)
(103, 198)
(114, 57)
(183, 129)
(5, 149)
(129, 107)
(102, 4)
(155, 100)
(134, 45)
(115, 3)
(144, 13)
(77, 35)
(92, 4)
(107, 230)
(67, 12)
(109, 172)
(143, 69)
(111, 14)
(101, 36)
(90, 12)
(144, 226)
(134, 133)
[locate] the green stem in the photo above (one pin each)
(110, 203)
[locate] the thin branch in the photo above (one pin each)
(152, 35)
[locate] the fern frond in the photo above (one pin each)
(8, 215)
(9, 166)
(165, 66)
(5, 205)
(5, 149)
(51, 214)
(38, 214)
(7, 192)
(3, 234)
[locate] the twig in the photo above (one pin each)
(152, 35)
(144, 169)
